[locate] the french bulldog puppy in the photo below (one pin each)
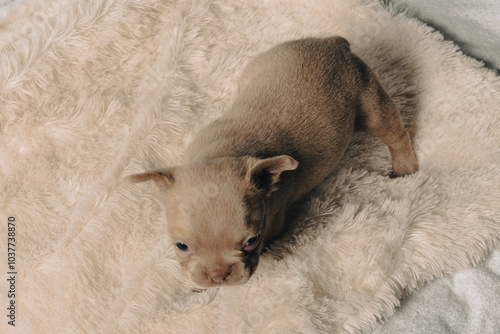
(297, 107)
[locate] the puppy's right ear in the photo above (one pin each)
(164, 178)
(265, 173)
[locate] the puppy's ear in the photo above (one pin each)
(265, 173)
(164, 178)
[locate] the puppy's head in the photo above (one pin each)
(217, 214)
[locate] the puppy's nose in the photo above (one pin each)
(217, 275)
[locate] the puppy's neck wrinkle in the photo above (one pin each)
(265, 223)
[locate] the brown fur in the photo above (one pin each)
(297, 108)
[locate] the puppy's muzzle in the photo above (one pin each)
(218, 276)
(212, 276)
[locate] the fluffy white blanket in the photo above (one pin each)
(94, 90)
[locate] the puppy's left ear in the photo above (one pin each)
(265, 173)
(164, 178)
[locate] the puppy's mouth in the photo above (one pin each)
(218, 282)
(225, 281)
(208, 283)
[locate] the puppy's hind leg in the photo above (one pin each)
(379, 116)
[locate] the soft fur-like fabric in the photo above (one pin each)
(94, 90)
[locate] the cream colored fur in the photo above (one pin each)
(94, 90)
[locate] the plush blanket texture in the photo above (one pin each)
(94, 90)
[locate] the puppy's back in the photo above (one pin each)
(298, 99)
(302, 66)
(285, 95)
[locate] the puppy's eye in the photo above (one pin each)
(181, 246)
(251, 243)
